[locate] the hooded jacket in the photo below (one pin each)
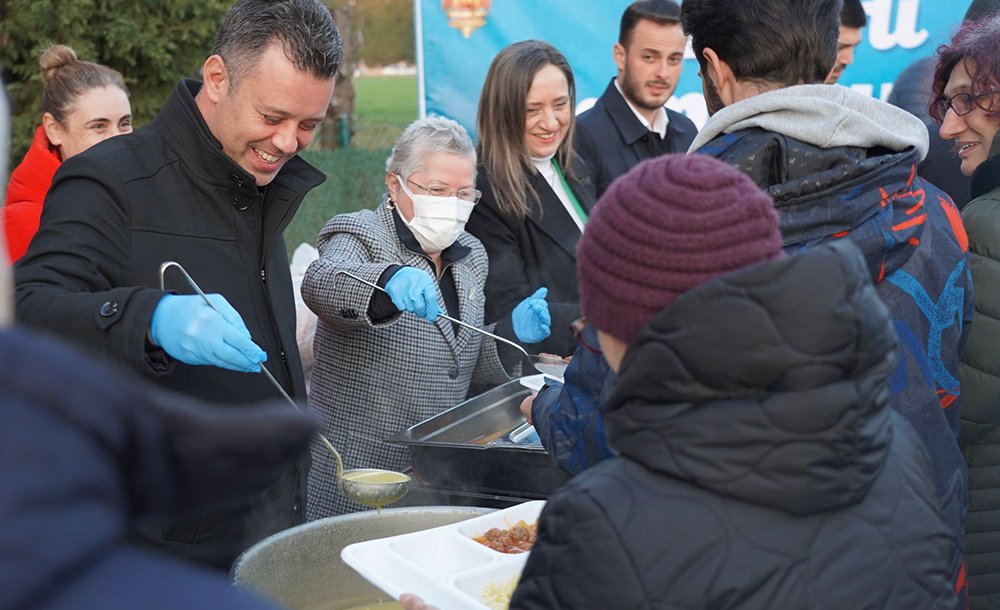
(764, 478)
(88, 450)
(29, 182)
(980, 375)
(842, 165)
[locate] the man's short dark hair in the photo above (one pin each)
(304, 28)
(662, 12)
(779, 42)
(853, 15)
(980, 9)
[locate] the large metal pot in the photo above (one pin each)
(301, 569)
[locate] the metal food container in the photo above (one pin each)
(468, 449)
(301, 569)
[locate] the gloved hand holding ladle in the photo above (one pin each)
(222, 339)
(413, 290)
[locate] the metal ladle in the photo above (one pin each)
(550, 364)
(372, 487)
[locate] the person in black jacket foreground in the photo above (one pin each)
(211, 184)
(758, 463)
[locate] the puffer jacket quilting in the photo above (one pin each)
(772, 477)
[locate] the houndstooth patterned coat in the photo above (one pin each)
(371, 381)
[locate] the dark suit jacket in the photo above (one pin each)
(611, 140)
(525, 254)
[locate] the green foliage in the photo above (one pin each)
(386, 29)
(355, 181)
(356, 175)
(153, 43)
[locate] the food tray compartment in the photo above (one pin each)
(444, 565)
(439, 555)
(501, 519)
(483, 585)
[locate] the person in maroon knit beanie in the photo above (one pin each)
(757, 463)
(667, 226)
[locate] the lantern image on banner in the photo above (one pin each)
(466, 15)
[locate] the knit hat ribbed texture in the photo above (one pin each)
(667, 226)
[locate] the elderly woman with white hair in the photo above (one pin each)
(385, 360)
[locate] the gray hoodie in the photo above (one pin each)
(826, 116)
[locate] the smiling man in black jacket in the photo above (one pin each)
(211, 184)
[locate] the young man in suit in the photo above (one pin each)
(629, 123)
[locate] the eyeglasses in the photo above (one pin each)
(577, 329)
(439, 190)
(961, 103)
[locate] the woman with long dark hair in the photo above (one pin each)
(536, 195)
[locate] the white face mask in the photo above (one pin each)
(437, 221)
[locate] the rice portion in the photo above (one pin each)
(497, 595)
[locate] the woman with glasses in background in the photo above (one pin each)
(967, 105)
(385, 359)
(536, 195)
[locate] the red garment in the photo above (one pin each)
(29, 183)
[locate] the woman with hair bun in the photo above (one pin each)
(83, 103)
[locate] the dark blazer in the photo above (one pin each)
(114, 213)
(611, 140)
(525, 254)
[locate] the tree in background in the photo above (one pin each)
(386, 31)
(153, 43)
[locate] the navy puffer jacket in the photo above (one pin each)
(759, 464)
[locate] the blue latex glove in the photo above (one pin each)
(192, 332)
(531, 318)
(413, 290)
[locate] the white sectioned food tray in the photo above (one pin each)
(533, 382)
(443, 565)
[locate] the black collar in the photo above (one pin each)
(183, 128)
(987, 175)
(621, 114)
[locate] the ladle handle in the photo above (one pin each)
(194, 286)
(446, 317)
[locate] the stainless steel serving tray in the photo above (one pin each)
(467, 448)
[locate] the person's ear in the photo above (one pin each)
(722, 76)
(53, 130)
(215, 77)
(619, 56)
(392, 185)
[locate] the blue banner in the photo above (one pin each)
(454, 52)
